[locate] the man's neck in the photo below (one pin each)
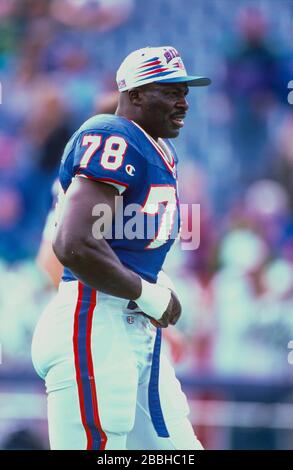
(132, 116)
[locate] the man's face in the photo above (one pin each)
(163, 108)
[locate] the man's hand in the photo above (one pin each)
(171, 315)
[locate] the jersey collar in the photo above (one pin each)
(162, 149)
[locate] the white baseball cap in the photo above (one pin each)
(155, 64)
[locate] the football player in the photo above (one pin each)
(98, 344)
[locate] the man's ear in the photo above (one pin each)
(135, 96)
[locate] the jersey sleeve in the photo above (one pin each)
(109, 158)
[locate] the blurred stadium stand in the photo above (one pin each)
(236, 154)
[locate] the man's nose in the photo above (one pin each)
(183, 103)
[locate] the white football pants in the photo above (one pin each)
(108, 384)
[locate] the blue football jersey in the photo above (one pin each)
(116, 151)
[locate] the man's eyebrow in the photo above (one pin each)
(185, 90)
(172, 87)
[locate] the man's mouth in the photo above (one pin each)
(178, 120)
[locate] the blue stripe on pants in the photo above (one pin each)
(154, 397)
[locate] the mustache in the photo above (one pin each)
(178, 115)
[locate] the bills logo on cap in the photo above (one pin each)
(171, 54)
(155, 64)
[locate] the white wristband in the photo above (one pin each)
(165, 281)
(154, 299)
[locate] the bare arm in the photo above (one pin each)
(92, 260)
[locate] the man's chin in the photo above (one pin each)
(171, 134)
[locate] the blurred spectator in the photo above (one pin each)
(272, 328)
(266, 207)
(235, 289)
(99, 15)
(48, 129)
(11, 208)
(19, 310)
(12, 214)
(251, 84)
(193, 186)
